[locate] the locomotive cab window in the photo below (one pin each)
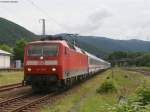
(43, 50)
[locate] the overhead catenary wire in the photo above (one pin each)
(64, 27)
(47, 17)
(11, 15)
(7, 13)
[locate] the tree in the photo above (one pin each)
(144, 60)
(117, 55)
(19, 49)
(6, 48)
(131, 58)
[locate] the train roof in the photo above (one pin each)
(94, 57)
(64, 42)
(49, 41)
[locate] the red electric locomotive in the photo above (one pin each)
(49, 63)
(56, 63)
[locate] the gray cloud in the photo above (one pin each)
(96, 20)
(92, 23)
(113, 18)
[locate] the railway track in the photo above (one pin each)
(25, 103)
(142, 71)
(30, 102)
(10, 87)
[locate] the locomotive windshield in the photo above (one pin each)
(43, 50)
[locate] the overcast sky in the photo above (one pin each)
(118, 19)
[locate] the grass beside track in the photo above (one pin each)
(10, 77)
(86, 99)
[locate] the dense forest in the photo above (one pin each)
(121, 58)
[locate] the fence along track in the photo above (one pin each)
(10, 70)
(11, 86)
(24, 103)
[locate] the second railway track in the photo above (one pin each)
(10, 87)
(142, 71)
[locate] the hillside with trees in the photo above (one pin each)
(103, 47)
(10, 32)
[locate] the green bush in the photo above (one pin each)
(129, 107)
(143, 94)
(139, 103)
(107, 86)
(147, 108)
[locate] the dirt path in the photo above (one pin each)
(83, 98)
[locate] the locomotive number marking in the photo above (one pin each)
(41, 63)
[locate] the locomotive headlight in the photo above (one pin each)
(41, 57)
(53, 69)
(29, 69)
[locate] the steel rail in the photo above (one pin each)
(10, 87)
(24, 102)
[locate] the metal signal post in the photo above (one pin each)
(43, 26)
